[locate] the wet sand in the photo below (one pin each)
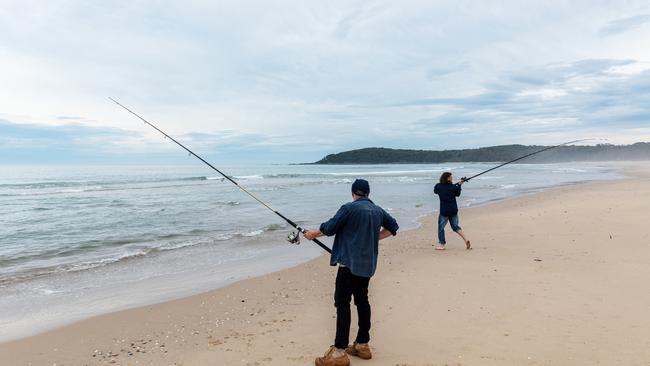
(555, 278)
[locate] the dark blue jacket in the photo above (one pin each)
(356, 226)
(447, 193)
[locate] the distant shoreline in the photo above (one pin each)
(639, 151)
(480, 162)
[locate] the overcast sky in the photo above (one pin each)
(291, 81)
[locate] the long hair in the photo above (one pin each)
(444, 178)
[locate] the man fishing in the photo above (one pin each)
(359, 226)
(447, 191)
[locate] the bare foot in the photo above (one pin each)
(440, 247)
(468, 245)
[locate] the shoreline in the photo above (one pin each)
(233, 323)
(415, 223)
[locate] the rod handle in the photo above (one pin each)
(325, 247)
(318, 242)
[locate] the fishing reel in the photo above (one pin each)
(294, 237)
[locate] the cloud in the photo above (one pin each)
(566, 101)
(71, 136)
(288, 79)
(75, 142)
(625, 24)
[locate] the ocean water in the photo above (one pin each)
(81, 241)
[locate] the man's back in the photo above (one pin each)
(357, 225)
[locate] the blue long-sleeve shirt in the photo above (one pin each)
(447, 193)
(357, 225)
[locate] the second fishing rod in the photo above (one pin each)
(465, 179)
(293, 237)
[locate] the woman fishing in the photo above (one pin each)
(447, 191)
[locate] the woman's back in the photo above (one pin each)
(447, 193)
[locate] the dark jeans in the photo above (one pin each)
(347, 285)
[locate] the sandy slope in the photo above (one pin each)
(557, 278)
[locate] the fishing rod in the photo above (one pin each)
(293, 237)
(465, 179)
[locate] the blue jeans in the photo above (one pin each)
(442, 222)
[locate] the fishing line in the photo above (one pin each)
(293, 237)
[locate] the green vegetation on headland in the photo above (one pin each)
(380, 155)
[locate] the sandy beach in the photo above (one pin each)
(555, 278)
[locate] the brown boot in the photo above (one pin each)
(333, 357)
(360, 350)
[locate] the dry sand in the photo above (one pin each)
(556, 278)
